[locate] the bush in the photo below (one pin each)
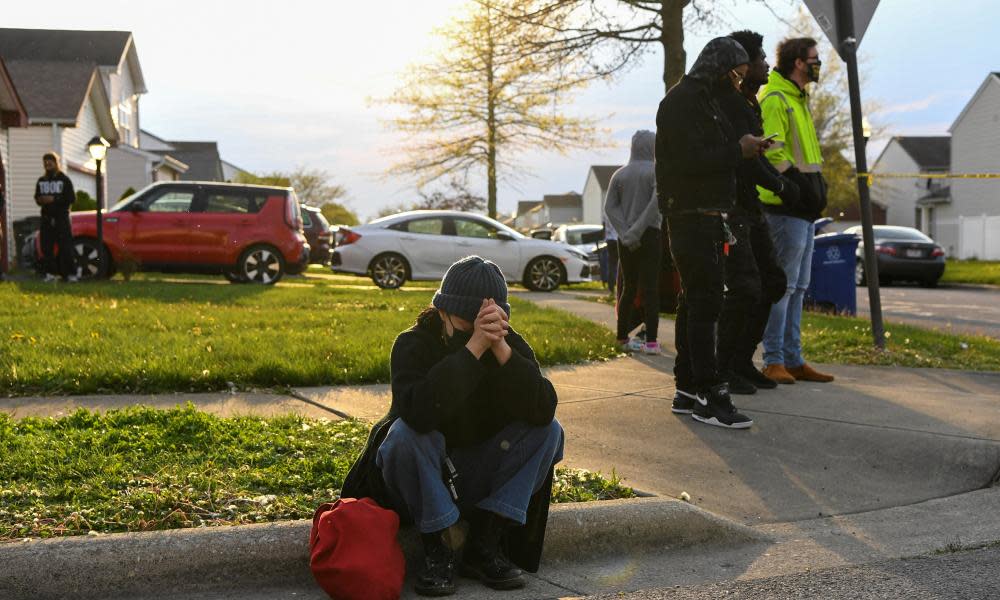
(83, 202)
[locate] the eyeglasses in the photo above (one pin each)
(810, 61)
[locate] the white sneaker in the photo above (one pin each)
(72, 279)
(635, 344)
(651, 348)
(50, 278)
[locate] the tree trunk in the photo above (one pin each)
(672, 40)
(491, 126)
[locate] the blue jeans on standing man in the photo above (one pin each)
(499, 475)
(793, 247)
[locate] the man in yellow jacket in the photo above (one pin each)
(796, 154)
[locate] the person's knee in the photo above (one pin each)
(402, 442)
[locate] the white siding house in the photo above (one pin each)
(975, 208)
(914, 201)
(594, 191)
(13, 116)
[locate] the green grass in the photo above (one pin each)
(152, 336)
(846, 340)
(972, 271)
(141, 469)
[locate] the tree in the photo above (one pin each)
(485, 98)
(611, 34)
(338, 214)
(312, 186)
(455, 196)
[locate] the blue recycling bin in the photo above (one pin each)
(832, 281)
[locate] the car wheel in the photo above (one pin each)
(859, 273)
(389, 271)
(544, 274)
(92, 261)
(233, 277)
(262, 264)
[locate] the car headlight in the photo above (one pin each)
(576, 253)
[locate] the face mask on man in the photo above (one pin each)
(814, 68)
(457, 339)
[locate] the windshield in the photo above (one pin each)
(575, 237)
(900, 233)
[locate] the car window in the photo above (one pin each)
(474, 229)
(236, 201)
(177, 201)
(426, 226)
(307, 221)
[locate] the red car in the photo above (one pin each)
(248, 233)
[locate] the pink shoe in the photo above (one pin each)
(651, 348)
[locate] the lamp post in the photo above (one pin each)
(98, 148)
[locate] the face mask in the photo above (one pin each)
(814, 71)
(457, 339)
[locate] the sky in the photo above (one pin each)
(292, 86)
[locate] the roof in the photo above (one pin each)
(45, 100)
(202, 159)
(993, 77)
(603, 174)
(929, 152)
(12, 111)
(568, 199)
(104, 48)
(940, 195)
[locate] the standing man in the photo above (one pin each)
(631, 208)
(54, 193)
(796, 154)
(754, 280)
(697, 155)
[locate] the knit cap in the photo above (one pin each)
(467, 283)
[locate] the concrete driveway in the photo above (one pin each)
(971, 310)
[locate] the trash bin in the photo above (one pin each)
(831, 285)
(22, 229)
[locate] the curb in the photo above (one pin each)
(118, 564)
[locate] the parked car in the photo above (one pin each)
(318, 233)
(248, 233)
(421, 245)
(585, 238)
(903, 253)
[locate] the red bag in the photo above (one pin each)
(353, 551)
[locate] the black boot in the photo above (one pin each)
(739, 385)
(749, 372)
(438, 575)
(484, 558)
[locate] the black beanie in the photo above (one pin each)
(467, 283)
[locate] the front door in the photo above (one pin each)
(427, 245)
(221, 219)
(158, 232)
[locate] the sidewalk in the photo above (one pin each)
(881, 463)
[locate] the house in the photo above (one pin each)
(563, 209)
(910, 202)
(231, 172)
(135, 168)
(12, 115)
(202, 158)
(970, 223)
(530, 215)
(67, 105)
(594, 191)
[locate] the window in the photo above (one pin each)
(307, 221)
(125, 123)
(172, 202)
(426, 226)
(474, 229)
(232, 202)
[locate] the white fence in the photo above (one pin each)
(979, 237)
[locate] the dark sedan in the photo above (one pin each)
(903, 253)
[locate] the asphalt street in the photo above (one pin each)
(970, 310)
(967, 575)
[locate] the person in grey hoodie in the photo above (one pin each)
(631, 208)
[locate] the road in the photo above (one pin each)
(954, 309)
(970, 574)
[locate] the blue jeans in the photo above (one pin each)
(499, 475)
(793, 247)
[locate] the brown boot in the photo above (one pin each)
(778, 374)
(807, 373)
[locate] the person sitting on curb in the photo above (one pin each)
(471, 433)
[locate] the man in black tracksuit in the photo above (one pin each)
(697, 156)
(54, 193)
(754, 279)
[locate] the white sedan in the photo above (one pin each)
(422, 244)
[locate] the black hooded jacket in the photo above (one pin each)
(697, 149)
(745, 117)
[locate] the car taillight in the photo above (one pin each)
(886, 250)
(346, 236)
(937, 252)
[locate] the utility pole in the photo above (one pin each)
(848, 48)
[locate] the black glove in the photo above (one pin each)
(790, 195)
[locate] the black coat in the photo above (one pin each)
(468, 401)
(61, 188)
(745, 117)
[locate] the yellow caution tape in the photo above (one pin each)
(871, 177)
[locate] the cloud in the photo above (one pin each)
(922, 104)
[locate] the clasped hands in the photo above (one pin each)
(489, 330)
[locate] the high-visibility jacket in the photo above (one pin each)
(785, 108)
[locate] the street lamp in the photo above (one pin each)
(866, 129)
(98, 148)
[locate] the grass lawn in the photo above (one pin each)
(972, 271)
(140, 469)
(147, 335)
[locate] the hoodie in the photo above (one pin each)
(630, 205)
(697, 150)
